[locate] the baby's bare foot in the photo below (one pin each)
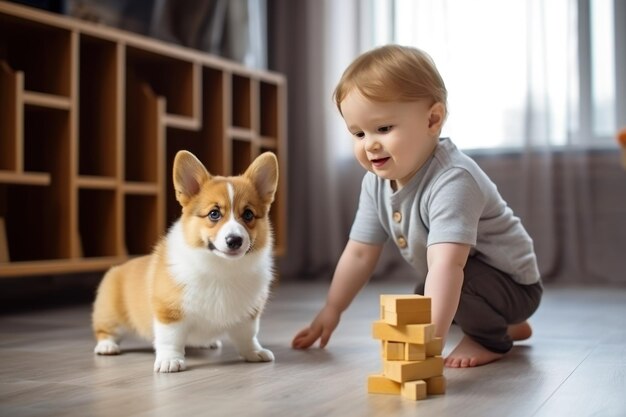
(468, 354)
(520, 331)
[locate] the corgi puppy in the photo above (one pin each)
(208, 276)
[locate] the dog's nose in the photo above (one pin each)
(233, 242)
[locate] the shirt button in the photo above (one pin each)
(397, 216)
(401, 242)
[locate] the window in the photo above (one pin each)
(518, 72)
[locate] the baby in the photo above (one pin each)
(470, 253)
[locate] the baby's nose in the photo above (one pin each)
(371, 144)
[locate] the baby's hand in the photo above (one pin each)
(321, 328)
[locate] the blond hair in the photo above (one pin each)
(393, 73)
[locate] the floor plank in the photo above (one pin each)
(573, 365)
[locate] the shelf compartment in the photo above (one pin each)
(144, 132)
(46, 140)
(268, 107)
(99, 102)
(242, 155)
(98, 221)
(159, 71)
(207, 144)
(141, 223)
(36, 223)
(241, 110)
(48, 155)
(41, 52)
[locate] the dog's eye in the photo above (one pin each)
(247, 215)
(215, 215)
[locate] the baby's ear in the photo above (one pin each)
(436, 117)
(189, 175)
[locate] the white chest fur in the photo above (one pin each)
(218, 293)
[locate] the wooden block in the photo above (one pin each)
(401, 351)
(378, 384)
(436, 385)
(414, 352)
(402, 371)
(414, 390)
(408, 317)
(434, 347)
(394, 351)
(404, 302)
(411, 333)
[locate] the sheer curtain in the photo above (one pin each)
(510, 67)
(534, 81)
(522, 101)
(312, 42)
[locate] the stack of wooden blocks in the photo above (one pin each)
(411, 354)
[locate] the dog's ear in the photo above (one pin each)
(189, 175)
(263, 172)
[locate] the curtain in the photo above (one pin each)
(532, 90)
(570, 194)
(312, 42)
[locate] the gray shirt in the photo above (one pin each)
(449, 200)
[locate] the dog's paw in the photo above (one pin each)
(261, 355)
(166, 365)
(107, 347)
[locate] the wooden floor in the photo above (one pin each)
(574, 365)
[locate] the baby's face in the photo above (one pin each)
(391, 139)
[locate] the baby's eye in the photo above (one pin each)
(359, 135)
(385, 129)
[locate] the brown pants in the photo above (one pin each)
(490, 302)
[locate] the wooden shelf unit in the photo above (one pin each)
(90, 120)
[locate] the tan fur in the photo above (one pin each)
(214, 193)
(129, 297)
(133, 295)
(166, 295)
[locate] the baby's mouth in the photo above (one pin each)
(377, 163)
